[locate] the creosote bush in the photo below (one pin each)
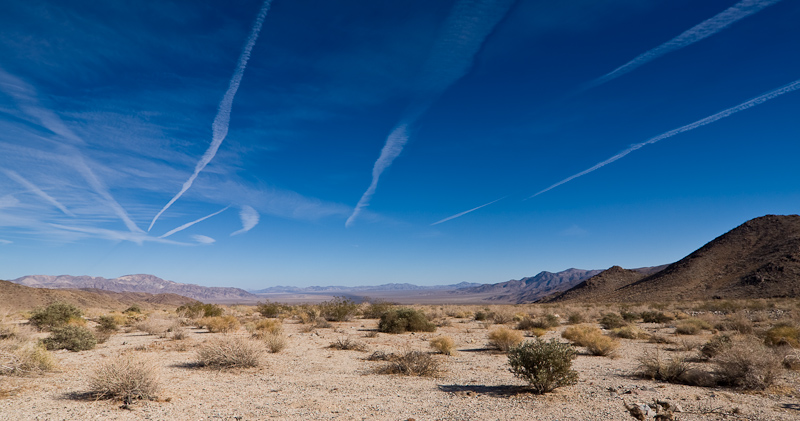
(271, 310)
(655, 317)
(55, 315)
(544, 365)
(504, 339)
(107, 324)
(197, 310)
(126, 377)
(612, 321)
(72, 338)
(747, 364)
(411, 363)
(339, 309)
(230, 352)
(443, 345)
(405, 320)
(376, 309)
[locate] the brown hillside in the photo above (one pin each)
(14, 297)
(758, 259)
(601, 286)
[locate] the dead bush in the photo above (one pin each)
(347, 344)
(230, 352)
(412, 363)
(443, 345)
(503, 339)
(21, 358)
(747, 364)
(126, 377)
(715, 345)
(657, 366)
(691, 326)
(738, 323)
(275, 342)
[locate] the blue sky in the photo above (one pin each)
(347, 142)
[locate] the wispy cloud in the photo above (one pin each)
(220, 126)
(249, 218)
(466, 212)
(202, 239)
(708, 120)
(189, 224)
(462, 36)
(697, 33)
(5, 241)
(135, 237)
(36, 190)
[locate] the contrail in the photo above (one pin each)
(189, 224)
(466, 212)
(708, 120)
(102, 190)
(462, 36)
(220, 126)
(30, 186)
(249, 218)
(699, 32)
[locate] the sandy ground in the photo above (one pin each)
(309, 381)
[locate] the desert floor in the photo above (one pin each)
(310, 381)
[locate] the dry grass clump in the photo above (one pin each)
(230, 352)
(411, 363)
(737, 322)
(160, 327)
(747, 364)
(503, 339)
(630, 332)
(24, 357)
(126, 377)
(592, 339)
(265, 327)
(275, 342)
(221, 324)
(655, 365)
(715, 345)
(691, 326)
(348, 344)
(783, 334)
(544, 365)
(443, 345)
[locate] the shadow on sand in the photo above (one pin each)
(496, 391)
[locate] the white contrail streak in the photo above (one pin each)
(220, 126)
(466, 212)
(699, 32)
(36, 190)
(250, 218)
(462, 36)
(102, 190)
(189, 224)
(708, 120)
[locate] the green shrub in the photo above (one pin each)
(339, 309)
(405, 320)
(134, 309)
(72, 338)
(783, 334)
(197, 309)
(612, 321)
(376, 308)
(655, 317)
(271, 310)
(544, 365)
(107, 324)
(575, 318)
(504, 339)
(629, 317)
(481, 316)
(55, 315)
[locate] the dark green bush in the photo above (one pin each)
(72, 338)
(197, 309)
(612, 321)
(629, 316)
(376, 308)
(107, 324)
(481, 316)
(405, 320)
(133, 309)
(655, 317)
(544, 365)
(271, 310)
(55, 315)
(339, 309)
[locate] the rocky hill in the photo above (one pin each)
(15, 297)
(365, 288)
(529, 288)
(136, 283)
(758, 259)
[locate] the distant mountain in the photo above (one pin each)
(136, 283)
(600, 286)
(758, 259)
(367, 288)
(15, 297)
(530, 288)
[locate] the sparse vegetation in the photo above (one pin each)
(271, 310)
(405, 320)
(197, 310)
(655, 317)
(376, 308)
(504, 339)
(275, 342)
(783, 334)
(612, 321)
(630, 332)
(24, 357)
(691, 326)
(443, 345)
(339, 309)
(348, 344)
(107, 324)
(230, 352)
(715, 345)
(55, 315)
(657, 366)
(411, 363)
(223, 324)
(72, 338)
(544, 365)
(126, 377)
(265, 327)
(747, 364)
(575, 318)
(592, 339)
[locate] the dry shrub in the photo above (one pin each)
(655, 365)
(630, 332)
(271, 310)
(223, 324)
(230, 352)
(376, 308)
(338, 309)
(502, 317)
(443, 345)
(537, 332)
(691, 326)
(503, 339)
(371, 334)
(612, 321)
(715, 345)
(21, 358)
(347, 344)
(738, 323)
(591, 338)
(412, 363)
(575, 318)
(658, 338)
(107, 323)
(126, 377)
(546, 322)
(265, 327)
(747, 364)
(783, 334)
(158, 326)
(544, 365)
(655, 317)
(275, 342)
